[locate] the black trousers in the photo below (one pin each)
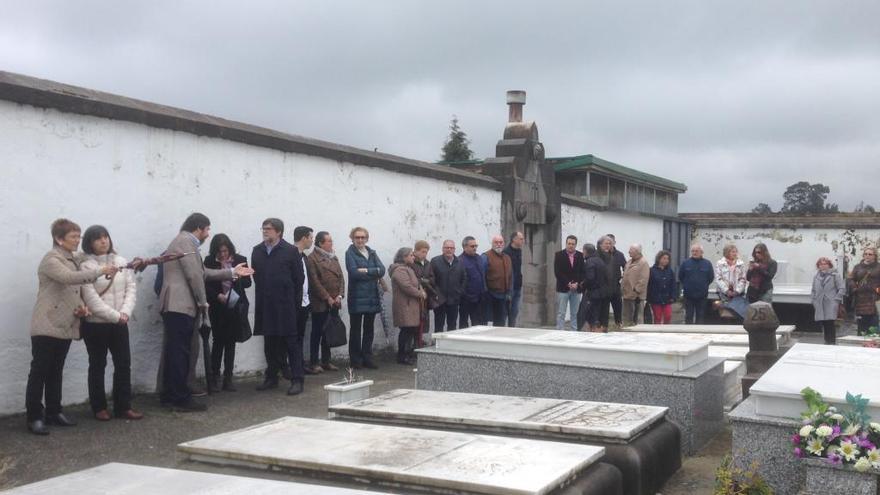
(406, 342)
(179, 328)
(445, 315)
(100, 338)
(276, 348)
(224, 330)
(360, 346)
(47, 367)
(602, 313)
(316, 339)
(829, 332)
(471, 314)
(617, 306)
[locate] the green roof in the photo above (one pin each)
(590, 162)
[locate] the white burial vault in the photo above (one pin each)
(430, 459)
(599, 420)
(830, 370)
(656, 352)
(784, 331)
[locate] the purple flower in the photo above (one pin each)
(835, 458)
(865, 444)
(798, 452)
(835, 432)
(795, 439)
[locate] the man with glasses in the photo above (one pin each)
(451, 282)
(470, 311)
(278, 285)
(499, 281)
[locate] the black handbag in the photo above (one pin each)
(242, 322)
(334, 330)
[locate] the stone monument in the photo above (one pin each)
(761, 323)
(530, 203)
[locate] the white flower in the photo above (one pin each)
(837, 417)
(851, 430)
(874, 457)
(806, 430)
(875, 427)
(824, 431)
(848, 450)
(815, 447)
(862, 465)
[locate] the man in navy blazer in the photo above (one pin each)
(569, 269)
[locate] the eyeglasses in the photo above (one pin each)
(360, 237)
(472, 245)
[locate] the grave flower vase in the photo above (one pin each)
(340, 392)
(822, 477)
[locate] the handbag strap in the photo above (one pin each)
(105, 289)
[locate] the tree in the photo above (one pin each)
(803, 197)
(456, 147)
(863, 208)
(762, 209)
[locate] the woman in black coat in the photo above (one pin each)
(222, 298)
(760, 275)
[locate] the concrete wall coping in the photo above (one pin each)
(43, 93)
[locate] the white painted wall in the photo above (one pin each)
(590, 225)
(141, 182)
(796, 249)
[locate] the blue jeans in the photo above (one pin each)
(694, 310)
(513, 313)
(573, 300)
(499, 306)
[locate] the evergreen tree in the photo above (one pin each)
(803, 197)
(762, 209)
(456, 147)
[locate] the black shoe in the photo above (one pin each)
(370, 365)
(285, 372)
(38, 427)
(355, 366)
(268, 383)
(59, 420)
(213, 386)
(191, 406)
(228, 386)
(296, 388)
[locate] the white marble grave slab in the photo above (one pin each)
(655, 352)
(715, 339)
(128, 479)
(831, 370)
(600, 420)
(728, 352)
(856, 340)
(435, 460)
(784, 330)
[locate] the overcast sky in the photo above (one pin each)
(737, 99)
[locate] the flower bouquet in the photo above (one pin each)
(842, 437)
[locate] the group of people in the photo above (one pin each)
(90, 294)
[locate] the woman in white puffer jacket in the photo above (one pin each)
(110, 303)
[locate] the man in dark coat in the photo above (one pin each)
(278, 286)
(451, 281)
(568, 266)
(514, 250)
(696, 274)
(595, 280)
(616, 295)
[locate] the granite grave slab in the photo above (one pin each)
(638, 440)
(694, 396)
(129, 479)
(644, 351)
(831, 370)
(784, 331)
(412, 460)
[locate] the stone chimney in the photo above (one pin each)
(515, 100)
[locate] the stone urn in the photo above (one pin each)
(761, 323)
(824, 478)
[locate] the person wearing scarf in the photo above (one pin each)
(326, 291)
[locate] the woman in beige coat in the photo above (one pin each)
(407, 296)
(55, 322)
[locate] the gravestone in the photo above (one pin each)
(638, 440)
(129, 479)
(616, 367)
(530, 203)
(411, 460)
(761, 323)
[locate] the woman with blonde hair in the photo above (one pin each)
(364, 269)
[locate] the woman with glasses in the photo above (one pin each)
(365, 269)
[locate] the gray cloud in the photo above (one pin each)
(736, 99)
